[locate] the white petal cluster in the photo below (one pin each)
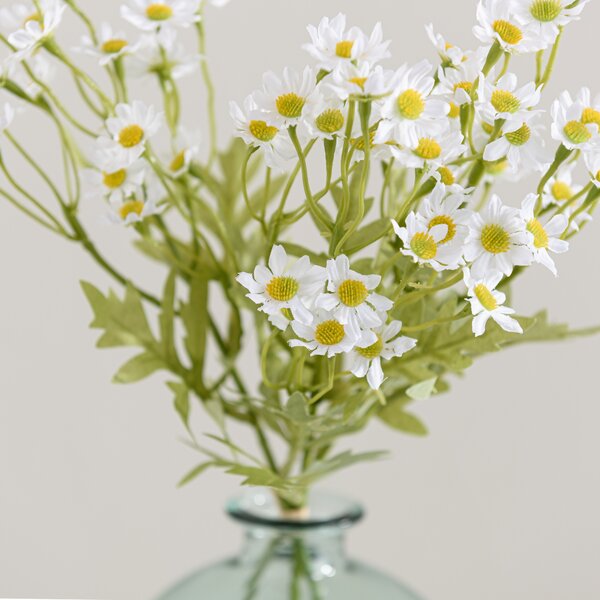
(332, 310)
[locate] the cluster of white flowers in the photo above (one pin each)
(120, 172)
(332, 310)
(437, 122)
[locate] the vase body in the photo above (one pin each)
(295, 557)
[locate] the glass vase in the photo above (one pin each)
(291, 556)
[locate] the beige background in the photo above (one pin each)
(500, 502)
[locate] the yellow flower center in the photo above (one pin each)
(115, 180)
(159, 11)
(428, 149)
(411, 104)
(290, 105)
(352, 292)
(540, 237)
(577, 132)
(130, 207)
(282, 288)
(330, 121)
(446, 176)
(113, 46)
(178, 162)
(448, 221)
(464, 85)
(372, 351)
(359, 142)
(261, 131)
(329, 333)
(591, 115)
(359, 81)
(520, 136)
(454, 112)
(504, 101)
(343, 49)
(561, 191)
(507, 32)
(545, 10)
(485, 296)
(131, 136)
(495, 239)
(423, 245)
(598, 176)
(36, 16)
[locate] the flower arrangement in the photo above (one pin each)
(410, 275)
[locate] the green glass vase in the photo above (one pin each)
(301, 557)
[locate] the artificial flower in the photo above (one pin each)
(487, 303)
(111, 45)
(497, 240)
(359, 80)
(366, 361)
(544, 237)
(149, 15)
(431, 152)
(327, 336)
(547, 17)
(283, 287)
(350, 296)
(573, 126)
(131, 210)
(114, 185)
(410, 112)
(333, 44)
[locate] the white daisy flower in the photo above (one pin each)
(348, 80)
(504, 100)
(251, 126)
(131, 211)
(281, 287)
(326, 118)
(149, 15)
(547, 17)
(332, 44)
(497, 240)
(498, 23)
(449, 53)
(560, 187)
(426, 245)
(440, 209)
(569, 127)
(186, 147)
(37, 27)
(133, 125)
(448, 178)
(487, 303)
(591, 107)
(161, 53)
(545, 237)
(111, 45)
(431, 152)
(285, 101)
(350, 297)
(456, 82)
(326, 336)
(523, 147)
(366, 361)
(116, 185)
(410, 112)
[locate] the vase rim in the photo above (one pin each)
(324, 510)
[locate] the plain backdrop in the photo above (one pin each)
(499, 502)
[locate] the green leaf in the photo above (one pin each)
(167, 320)
(138, 368)
(394, 415)
(367, 235)
(181, 402)
(297, 408)
(195, 472)
(422, 390)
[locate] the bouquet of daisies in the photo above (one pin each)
(349, 231)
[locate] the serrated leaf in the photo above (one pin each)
(195, 472)
(138, 368)
(181, 402)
